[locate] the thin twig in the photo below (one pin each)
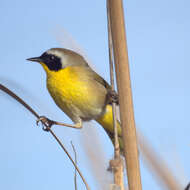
(118, 172)
(75, 176)
(116, 141)
(18, 99)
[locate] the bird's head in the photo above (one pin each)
(56, 59)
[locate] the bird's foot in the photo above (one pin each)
(47, 123)
(112, 97)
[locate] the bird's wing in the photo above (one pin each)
(112, 96)
(100, 80)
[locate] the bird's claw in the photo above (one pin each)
(112, 97)
(47, 123)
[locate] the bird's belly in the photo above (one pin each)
(74, 98)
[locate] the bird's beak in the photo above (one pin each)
(35, 59)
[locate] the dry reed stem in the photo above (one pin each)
(125, 94)
(118, 169)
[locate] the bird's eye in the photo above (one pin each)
(52, 57)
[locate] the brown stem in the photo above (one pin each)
(18, 99)
(118, 170)
(125, 94)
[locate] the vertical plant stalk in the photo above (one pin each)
(116, 141)
(125, 94)
(118, 171)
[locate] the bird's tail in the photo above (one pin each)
(106, 121)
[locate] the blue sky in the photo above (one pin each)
(158, 44)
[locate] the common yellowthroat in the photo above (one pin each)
(78, 90)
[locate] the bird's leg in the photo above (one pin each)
(76, 125)
(49, 123)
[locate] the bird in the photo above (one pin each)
(80, 92)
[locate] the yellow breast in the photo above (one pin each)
(74, 93)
